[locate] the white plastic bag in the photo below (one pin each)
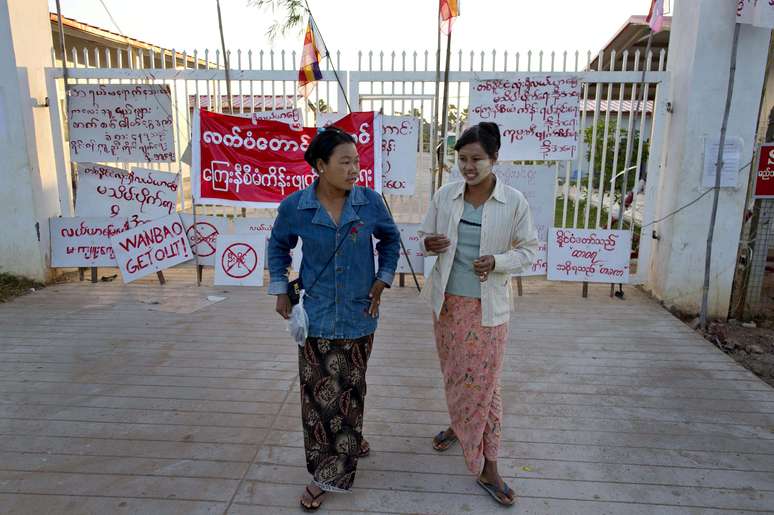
(298, 323)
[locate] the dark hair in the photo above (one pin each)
(485, 133)
(324, 143)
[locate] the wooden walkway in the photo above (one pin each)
(149, 399)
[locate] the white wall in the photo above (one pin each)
(29, 193)
(699, 57)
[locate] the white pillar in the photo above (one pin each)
(699, 59)
(28, 192)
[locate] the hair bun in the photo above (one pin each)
(492, 129)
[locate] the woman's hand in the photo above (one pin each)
(437, 243)
(376, 297)
(483, 266)
(283, 306)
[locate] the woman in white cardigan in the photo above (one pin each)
(482, 232)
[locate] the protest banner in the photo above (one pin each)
(292, 117)
(366, 128)
(151, 247)
(589, 255)
(764, 179)
(413, 250)
(85, 242)
(239, 260)
(202, 236)
(105, 191)
(247, 163)
(538, 114)
(400, 140)
(264, 226)
(120, 123)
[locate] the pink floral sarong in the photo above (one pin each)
(471, 361)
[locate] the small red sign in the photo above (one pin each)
(764, 180)
(239, 260)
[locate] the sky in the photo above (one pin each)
(378, 25)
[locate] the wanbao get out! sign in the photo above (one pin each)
(151, 247)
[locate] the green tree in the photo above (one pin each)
(605, 165)
(294, 15)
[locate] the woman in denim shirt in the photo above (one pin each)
(343, 304)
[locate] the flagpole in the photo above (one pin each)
(445, 112)
(434, 114)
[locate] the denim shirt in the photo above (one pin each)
(338, 304)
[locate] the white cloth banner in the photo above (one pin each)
(105, 191)
(151, 247)
(84, 242)
(239, 260)
(590, 255)
(292, 117)
(203, 236)
(121, 123)
(400, 140)
(538, 114)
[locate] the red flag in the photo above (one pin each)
(450, 9)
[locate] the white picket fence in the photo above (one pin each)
(399, 83)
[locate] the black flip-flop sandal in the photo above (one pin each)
(364, 452)
(311, 506)
(495, 492)
(442, 443)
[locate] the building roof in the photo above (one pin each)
(633, 36)
(97, 37)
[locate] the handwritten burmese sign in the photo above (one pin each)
(151, 247)
(538, 114)
(120, 123)
(114, 192)
(759, 13)
(400, 140)
(591, 255)
(85, 242)
(413, 251)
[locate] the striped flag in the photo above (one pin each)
(656, 15)
(310, 62)
(450, 9)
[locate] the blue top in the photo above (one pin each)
(338, 304)
(463, 280)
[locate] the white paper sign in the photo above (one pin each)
(84, 242)
(151, 247)
(105, 191)
(121, 123)
(264, 226)
(759, 13)
(538, 114)
(203, 236)
(591, 255)
(292, 117)
(239, 260)
(400, 140)
(408, 232)
(732, 156)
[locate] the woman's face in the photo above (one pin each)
(343, 167)
(474, 163)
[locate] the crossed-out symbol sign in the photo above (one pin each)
(202, 236)
(239, 260)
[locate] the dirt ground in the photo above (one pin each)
(750, 346)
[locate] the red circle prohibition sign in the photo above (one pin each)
(204, 234)
(239, 260)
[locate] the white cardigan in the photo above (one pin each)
(507, 233)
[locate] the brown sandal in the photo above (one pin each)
(312, 506)
(442, 442)
(365, 449)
